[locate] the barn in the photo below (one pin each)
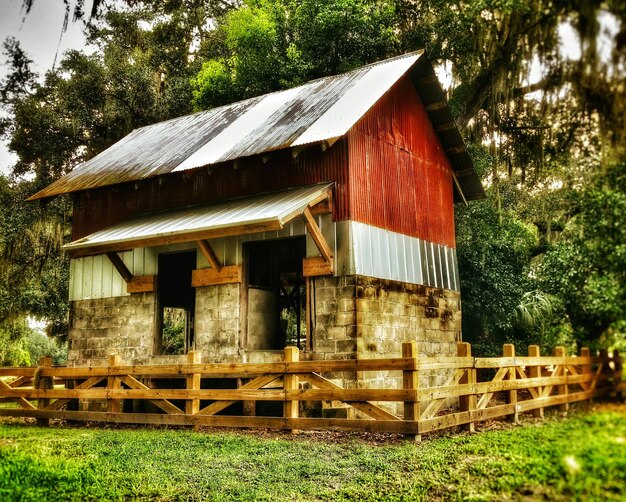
(320, 216)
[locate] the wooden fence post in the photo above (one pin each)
(585, 369)
(192, 406)
(290, 382)
(43, 383)
(508, 350)
(113, 383)
(468, 402)
(562, 390)
(410, 381)
(535, 372)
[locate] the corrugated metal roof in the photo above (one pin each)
(244, 215)
(320, 110)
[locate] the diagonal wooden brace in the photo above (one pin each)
(120, 266)
(316, 235)
(210, 255)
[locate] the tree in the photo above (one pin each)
(267, 45)
(139, 75)
(586, 268)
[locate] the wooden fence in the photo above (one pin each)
(484, 388)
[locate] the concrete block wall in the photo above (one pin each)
(352, 316)
(367, 318)
(121, 325)
(217, 322)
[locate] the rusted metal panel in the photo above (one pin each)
(319, 110)
(277, 207)
(401, 179)
(103, 207)
(430, 92)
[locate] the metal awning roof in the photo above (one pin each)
(259, 213)
(320, 110)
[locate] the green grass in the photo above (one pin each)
(582, 457)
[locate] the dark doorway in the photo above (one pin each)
(177, 301)
(276, 293)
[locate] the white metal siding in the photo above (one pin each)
(389, 255)
(95, 277)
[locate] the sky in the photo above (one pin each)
(40, 35)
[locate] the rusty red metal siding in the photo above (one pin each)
(390, 171)
(100, 208)
(400, 176)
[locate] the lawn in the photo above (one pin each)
(580, 457)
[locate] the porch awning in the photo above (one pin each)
(260, 213)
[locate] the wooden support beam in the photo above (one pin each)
(376, 412)
(323, 207)
(210, 255)
(316, 266)
(458, 187)
(19, 400)
(120, 266)
(87, 384)
(44, 383)
(316, 235)
(142, 284)
(296, 150)
(192, 406)
(428, 79)
(562, 389)
(256, 383)
(290, 383)
(164, 404)
(211, 277)
(114, 383)
(456, 149)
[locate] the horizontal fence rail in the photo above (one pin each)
(475, 389)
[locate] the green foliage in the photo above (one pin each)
(173, 333)
(579, 458)
(33, 271)
(267, 45)
(13, 351)
(494, 252)
(212, 86)
(39, 345)
(586, 268)
(23, 346)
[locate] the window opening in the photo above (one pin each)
(276, 294)
(177, 301)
